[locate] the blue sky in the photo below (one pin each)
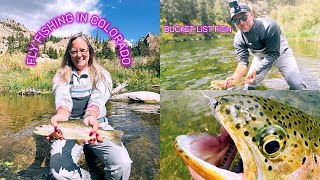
(133, 18)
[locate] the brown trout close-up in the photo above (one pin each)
(275, 141)
(77, 130)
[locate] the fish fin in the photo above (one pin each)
(118, 136)
(118, 142)
(80, 141)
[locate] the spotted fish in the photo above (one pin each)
(77, 130)
(275, 141)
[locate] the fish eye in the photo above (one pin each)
(271, 141)
(271, 147)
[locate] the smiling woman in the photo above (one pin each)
(81, 89)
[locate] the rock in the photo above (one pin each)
(29, 91)
(138, 96)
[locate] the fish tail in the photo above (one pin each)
(114, 136)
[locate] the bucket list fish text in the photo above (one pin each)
(197, 29)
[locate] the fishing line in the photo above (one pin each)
(212, 102)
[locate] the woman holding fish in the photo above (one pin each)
(81, 89)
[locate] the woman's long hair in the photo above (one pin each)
(95, 70)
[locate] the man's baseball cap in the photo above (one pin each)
(236, 8)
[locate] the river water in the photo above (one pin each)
(25, 156)
(193, 65)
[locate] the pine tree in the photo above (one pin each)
(106, 51)
(11, 44)
(97, 38)
(203, 13)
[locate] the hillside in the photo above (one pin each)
(143, 74)
(16, 37)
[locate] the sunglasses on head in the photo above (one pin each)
(242, 18)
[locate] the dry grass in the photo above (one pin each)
(15, 75)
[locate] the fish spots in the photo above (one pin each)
(275, 117)
(241, 102)
(248, 101)
(278, 112)
(295, 145)
(270, 168)
(281, 137)
(295, 123)
(187, 157)
(315, 144)
(256, 105)
(246, 133)
(301, 135)
(253, 139)
(237, 107)
(306, 143)
(265, 160)
(268, 121)
(238, 126)
(295, 133)
(261, 114)
(264, 107)
(224, 99)
(253, 118)
(228, 111)
(304, 160)
(251, 108)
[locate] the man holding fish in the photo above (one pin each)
(82, 88)
(263, 37)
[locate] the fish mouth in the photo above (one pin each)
(212, 157)
(37, 130)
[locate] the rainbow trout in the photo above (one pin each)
(77, 130)
(275, 141)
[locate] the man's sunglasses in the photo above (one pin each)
(243, 18)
